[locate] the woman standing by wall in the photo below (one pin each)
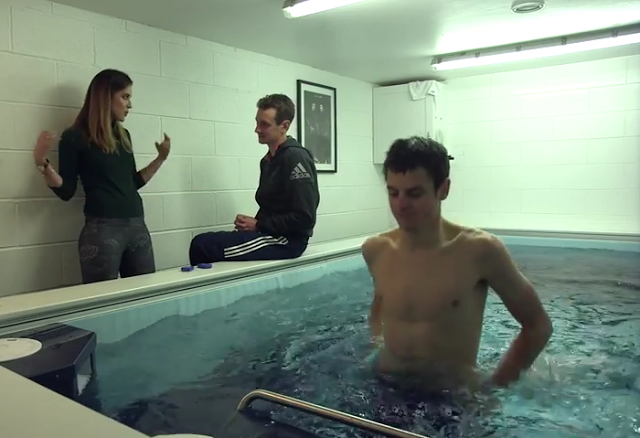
(97, 149)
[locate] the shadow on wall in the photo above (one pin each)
(71, 98)
(69, 95)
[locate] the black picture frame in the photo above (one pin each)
(317, 127)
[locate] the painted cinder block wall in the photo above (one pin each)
(553, 148)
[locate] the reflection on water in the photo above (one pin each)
(186, 374)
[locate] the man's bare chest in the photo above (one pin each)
(414, 291)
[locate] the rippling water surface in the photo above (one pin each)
(186, 374)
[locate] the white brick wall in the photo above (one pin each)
(547, 149)
(201, 93)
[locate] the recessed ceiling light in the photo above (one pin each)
(527, 6)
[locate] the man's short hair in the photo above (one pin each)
(408, 154)
(284, 106)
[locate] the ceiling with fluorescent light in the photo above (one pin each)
(379, 41)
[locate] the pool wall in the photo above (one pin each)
(121, 322)
(119, 308)
(61, 304)
(609, 242)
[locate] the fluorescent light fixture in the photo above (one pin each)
(520, 53)
(301, 8)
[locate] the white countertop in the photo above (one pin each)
(27, 410)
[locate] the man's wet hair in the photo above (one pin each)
(409, 154)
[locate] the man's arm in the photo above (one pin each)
(304, 199)
(522, 301)
(370, 249)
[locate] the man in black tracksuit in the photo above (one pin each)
(287, 196)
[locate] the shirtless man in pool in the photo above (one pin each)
(431, 278)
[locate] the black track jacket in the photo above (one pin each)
(288, 194)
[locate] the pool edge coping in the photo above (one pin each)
(30, 307)
(33, 306)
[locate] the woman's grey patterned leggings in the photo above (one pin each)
(108, 247)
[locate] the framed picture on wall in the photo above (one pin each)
(317, 124)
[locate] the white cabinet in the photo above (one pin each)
(397, 115)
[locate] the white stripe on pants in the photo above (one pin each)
(253, 245)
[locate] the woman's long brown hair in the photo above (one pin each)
(95, 116)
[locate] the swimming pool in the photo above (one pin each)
(180, 365)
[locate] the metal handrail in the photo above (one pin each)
(321, 411)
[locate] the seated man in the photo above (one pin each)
(287, 197)
(431, 279)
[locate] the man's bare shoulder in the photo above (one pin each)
(482, 242)
(457, 232)
(485, 245)
(375, 245)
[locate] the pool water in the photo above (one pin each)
(187, 374)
